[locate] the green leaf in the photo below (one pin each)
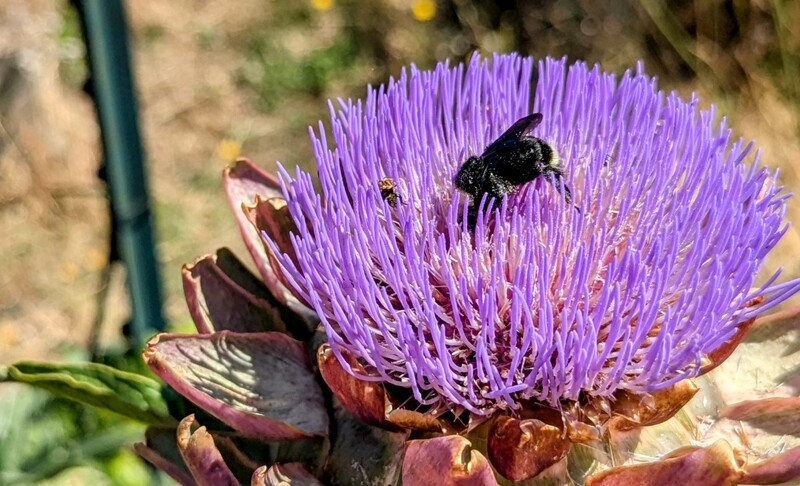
(134, 396)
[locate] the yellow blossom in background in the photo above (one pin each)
(9, 335)
(68, 272)
(229, 150)
(322, 4)
(423, 10)
(95, 259)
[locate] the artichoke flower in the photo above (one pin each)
(403, 332)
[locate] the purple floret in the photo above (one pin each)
(654, 269)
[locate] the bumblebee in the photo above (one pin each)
(509, 162)
(388, 188)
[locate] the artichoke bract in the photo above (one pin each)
(437, 337)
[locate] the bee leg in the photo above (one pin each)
(472, 216)
(559, 183)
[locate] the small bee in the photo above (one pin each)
(388, 188)
(507, 163)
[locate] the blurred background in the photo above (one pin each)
(219, 80)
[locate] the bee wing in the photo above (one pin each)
(513, 134)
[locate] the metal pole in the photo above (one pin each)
(107, 45)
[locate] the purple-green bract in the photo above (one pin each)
(654, 269)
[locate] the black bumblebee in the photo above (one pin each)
(509, 162)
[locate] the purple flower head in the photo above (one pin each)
(650, 268)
